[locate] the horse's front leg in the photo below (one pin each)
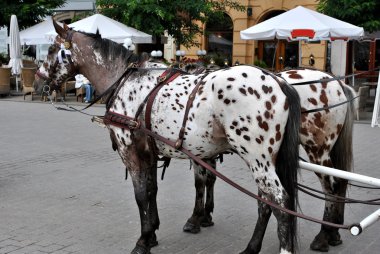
(142, 167)
(334, 212)
(152, 201)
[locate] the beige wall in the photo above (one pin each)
(244, 51)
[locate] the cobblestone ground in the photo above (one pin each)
(62, 190)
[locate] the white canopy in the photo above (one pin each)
(35, 35)
(108, 28)
(302, 23)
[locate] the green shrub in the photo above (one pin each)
(260, 63)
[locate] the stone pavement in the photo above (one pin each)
(62, 190)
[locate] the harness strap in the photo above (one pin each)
(120, 120)
(115, 86)
(166, 77)
(331, 79)
(189, 104)
(328, 107)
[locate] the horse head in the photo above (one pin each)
(101, 60)
(57, 67)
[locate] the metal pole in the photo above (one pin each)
(376, 107)
(365, 223)
(340, 173)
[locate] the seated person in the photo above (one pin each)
(82, 81)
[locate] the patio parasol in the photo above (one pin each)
(15, 49)
(302, 23)
(108, 28)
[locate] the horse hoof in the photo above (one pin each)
(153, 242)
(139, 249)
(334, 239)
(335, 242)
(319, 245)
(191, 228)
(207, 221)
(206, 224)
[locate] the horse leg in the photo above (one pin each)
(152, 199)
(200, 177)
(256, 241)
(334, 212)
(142, 166)
(206, 220)
(202, 211)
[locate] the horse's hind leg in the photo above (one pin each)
(334, 212)
(201, 212)
(255, 243)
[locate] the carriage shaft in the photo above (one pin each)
(340, 173)
(365, 223)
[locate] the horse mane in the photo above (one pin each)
(112, 50)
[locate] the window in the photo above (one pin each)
(219, 34)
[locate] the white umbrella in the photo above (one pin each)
(302, 23)
(15, 48)
(108, 28)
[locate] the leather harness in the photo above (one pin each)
(133, 123)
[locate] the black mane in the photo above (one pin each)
(112, 50)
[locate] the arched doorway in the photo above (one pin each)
(219, 39)
(277, 55)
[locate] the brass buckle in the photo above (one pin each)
(161, 79)
(67, 45)
(134, 124)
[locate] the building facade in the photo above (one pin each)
(275, 55)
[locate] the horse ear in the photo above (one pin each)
(97, 33)
(60, 30)
(66, 27)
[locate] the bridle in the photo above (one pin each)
(64, 53)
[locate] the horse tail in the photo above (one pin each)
(287, 162)
(341, 154)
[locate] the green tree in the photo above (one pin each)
(178, 17)
(28, 12)
(363, 13)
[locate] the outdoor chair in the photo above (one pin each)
(27, 79)
(68, 86)
(29, 63)
(362, 96)
(5, 80)
(81, 93)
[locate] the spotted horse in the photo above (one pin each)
(326, 136)
(229, 110)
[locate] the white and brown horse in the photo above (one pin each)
(326, 136)
(243, 108)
